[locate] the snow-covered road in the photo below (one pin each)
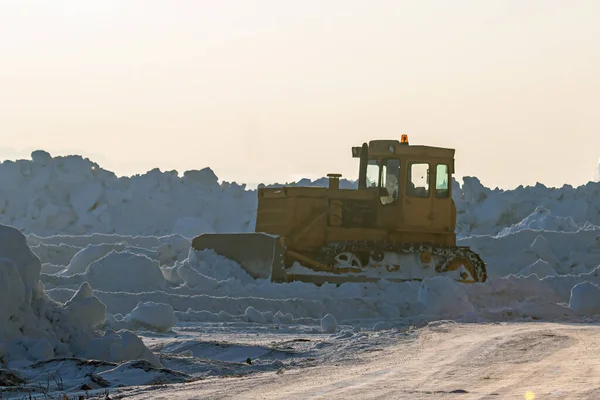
(448, 360)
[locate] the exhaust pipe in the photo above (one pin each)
(334, 181)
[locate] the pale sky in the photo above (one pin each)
(265, 91)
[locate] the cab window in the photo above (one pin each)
(390, 181)
(372, 174)
(442, 181)
(418, 180)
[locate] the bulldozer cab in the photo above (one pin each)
(412, 184)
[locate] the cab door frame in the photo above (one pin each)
(417, 210)
(390, 215)
(443, 207)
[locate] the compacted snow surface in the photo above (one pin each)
(100, 290)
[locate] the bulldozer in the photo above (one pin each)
(397, 224)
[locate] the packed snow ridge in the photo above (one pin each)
(72, 195)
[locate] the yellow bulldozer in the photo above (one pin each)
(397, 225)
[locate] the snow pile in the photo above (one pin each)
(481, 210)
(86, 308)
(541, 219)
(34, 327)
(47, 195)
(203, 269)
(71, 194)
(543, 252)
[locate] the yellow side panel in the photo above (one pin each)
(442, 215)
(275, 215)
(309, 224)
(349, 234)
(301, 220)
(442, 239)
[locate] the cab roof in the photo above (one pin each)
(383, 148)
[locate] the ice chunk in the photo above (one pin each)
(125, 271)
(86, 308)
(93, 252)
(151, 315)
(585, 299)
(329, 324)
(253, 315)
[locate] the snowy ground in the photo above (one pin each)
(445, 360)
(101, 292)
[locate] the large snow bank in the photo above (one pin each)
(524, 251)
(35, 327)
(48, 195)
(481, 210)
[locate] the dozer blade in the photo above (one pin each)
(259, 254)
